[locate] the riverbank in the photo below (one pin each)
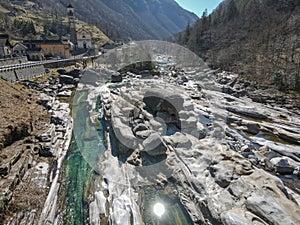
(39, 127)
(188, 140)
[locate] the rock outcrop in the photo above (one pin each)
(33, 146)
(230, 160)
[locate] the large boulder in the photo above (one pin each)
(91, 77)
(124, 134)
(272, 210)
(56, 120)
(158, 125)
(236, 217)
(193, 127)
(144, 134)
(180, 140)
(154, 145)
(66, 79)
(252, 128)
(248, 112)
(283, 165)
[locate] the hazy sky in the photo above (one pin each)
(198, 6)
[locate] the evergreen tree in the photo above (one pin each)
(204, 20)
(24, 27)
(187, 33)
(232, 10)
(204, 14)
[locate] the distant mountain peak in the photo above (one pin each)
(129, 19)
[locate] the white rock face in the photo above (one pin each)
(220, 153)
(154, 145)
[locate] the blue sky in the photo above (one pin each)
(198, 6)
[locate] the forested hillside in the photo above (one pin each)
(256, 38)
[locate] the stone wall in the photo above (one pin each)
(16, 74)
(6, 62)
(62, 63)
(8, 75)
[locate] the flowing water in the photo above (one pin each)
(77, 171)
(175, 213)
(80, 176)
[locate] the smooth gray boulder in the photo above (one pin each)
(248, 112)
(144, 134)
(124, 134)
(158, 125)
(236, 217)
(154, 145)
(283, 165)
(252, 128)
(165, 117)
(270, 210)
(91, 77)
(188, 124)
(179, 140)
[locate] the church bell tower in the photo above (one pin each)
(72, 27)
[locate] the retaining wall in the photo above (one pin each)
(9, 75)
(6, 62)
(17, 74)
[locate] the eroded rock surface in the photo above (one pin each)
(230, 160)
(31, 156)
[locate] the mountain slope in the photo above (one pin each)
(25, 20)
(143, 19)
(259, 39)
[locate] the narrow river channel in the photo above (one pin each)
(80, 177)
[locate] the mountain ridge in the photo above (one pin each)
(127, 19)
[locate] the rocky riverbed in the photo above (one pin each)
(195, 142)
(31, 160)
(172, 143)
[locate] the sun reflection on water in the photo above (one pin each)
(159, 209)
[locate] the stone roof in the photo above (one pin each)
(44, 42)
(19, 43)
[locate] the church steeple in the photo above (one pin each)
(72, 25)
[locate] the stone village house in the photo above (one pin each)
(59, 48)
(19, 49)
